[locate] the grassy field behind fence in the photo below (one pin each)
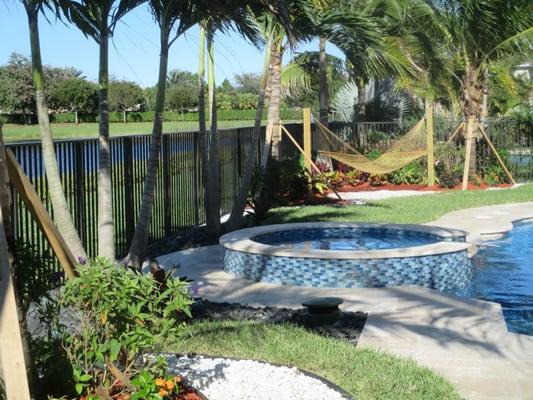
(14, 133)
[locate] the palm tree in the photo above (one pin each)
(478, 33)
(166, 13)
(240, 16)
(62, 217)
(97, 19)
(366, 32)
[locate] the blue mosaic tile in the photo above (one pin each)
(444, 272)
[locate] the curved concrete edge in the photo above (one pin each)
(242, 240)
(486, 223)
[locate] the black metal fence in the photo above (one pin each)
(179, 200)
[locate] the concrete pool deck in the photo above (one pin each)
(465, 340)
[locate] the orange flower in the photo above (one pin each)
(160, 382)
(163, 392)
(177, 379)
(169, 385)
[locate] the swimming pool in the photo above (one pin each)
(504, 274)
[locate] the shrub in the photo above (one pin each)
(449, 161)
(413, 174)
(120, 315)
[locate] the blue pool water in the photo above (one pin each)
(356, 241)
(504, 274)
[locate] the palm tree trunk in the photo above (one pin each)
(76, 119)
(106, 238)
(213, 211)
(472, 98)
(323, 83)
(235, 219)
(275, 97)
(203, 145)
(139, 243)
(62, 216)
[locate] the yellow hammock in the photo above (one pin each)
(404, 150)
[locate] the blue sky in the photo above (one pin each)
(133, 50)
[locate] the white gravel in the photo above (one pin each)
(224, 379)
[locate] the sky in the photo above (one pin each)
(134, 49)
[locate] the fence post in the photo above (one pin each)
(430, 149)
(167, 201)
(196, 178)
(128, 189)
(307, 137)
(80, 190)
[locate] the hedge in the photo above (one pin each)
(148, 116)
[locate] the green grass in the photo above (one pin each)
(364, 373)
(14, 133)
(406, 210)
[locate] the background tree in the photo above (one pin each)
(75, 95)
(125, 96)
(97, 19)
(248, 82)
(62, 217)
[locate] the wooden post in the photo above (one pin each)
(27, 193)
(454, 134)
(307, 138)
(430, 146)
(12, 362)
(468, 138)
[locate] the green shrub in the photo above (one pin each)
(449, 161)
(412, 174)
(120, 315)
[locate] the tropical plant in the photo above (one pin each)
(167, 13)
(478, 33)
(97, 19)
(62, 217)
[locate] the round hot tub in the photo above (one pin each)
(347, 255)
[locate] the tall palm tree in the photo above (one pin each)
(479, 32)
(240, 16)
(62, 217)
(97, 19)
(166, 14)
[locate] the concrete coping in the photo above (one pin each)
(243, 240)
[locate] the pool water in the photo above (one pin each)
(504, 274)
(366, 241)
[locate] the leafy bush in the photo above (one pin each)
(120, 315)
(413, 174)
(449, 161)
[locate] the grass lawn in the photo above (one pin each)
(406, 210)
(14, 133)
(364, 373)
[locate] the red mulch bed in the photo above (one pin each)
(366, 187)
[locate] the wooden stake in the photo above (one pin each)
(459, 128)
(307, 138)
(496, 153)
(32, 201)
(430, 147)
(307, 158)
(468, 138)
(11, 348)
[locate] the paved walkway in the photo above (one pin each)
(379, 194)
(466, 340)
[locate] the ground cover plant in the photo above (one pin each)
(410, 210)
